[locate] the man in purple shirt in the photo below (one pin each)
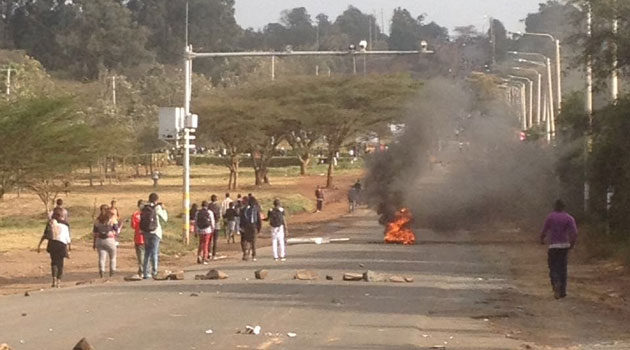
(560, 233)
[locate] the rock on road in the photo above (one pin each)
(443, 308)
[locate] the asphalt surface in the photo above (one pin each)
(445, 307)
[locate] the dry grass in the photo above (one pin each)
(22, 219)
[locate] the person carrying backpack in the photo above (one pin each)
(215, 208)
(204, 228)
(151, 216)
(276, 218)
(250, 218)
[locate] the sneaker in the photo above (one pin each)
(253, 259)
(199, 260)
(244, 258)
(205, 263)
(276, 259)
(283, 259)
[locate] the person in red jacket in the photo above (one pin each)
(138, 237)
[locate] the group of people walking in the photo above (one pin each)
(240, 217)
(146, 221)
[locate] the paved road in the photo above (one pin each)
(446, 305)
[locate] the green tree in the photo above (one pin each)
(43, 140)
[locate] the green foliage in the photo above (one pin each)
(42, 142)
(610, 164)
(406, 32)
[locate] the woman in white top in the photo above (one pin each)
(58, 235)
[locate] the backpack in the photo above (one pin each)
(250, 215)
(203, 218)
(276, 217)
(148, 219)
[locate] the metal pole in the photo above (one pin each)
(559, 75)
(114, 90)
(8, 81)
(552, 118)
(523, 107)
(588, 109)
(614, 75)
(539, 105)
(354, 64)
(273, 68)
(317, 70)
(547, 120)
(186, 194)
(364, 65)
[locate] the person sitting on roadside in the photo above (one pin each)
(104, 240)
(204, 228)
(57, 233)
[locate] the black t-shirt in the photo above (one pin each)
(230, 214)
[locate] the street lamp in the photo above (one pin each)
(558, 64)
(538, 90)
(529, 116)
(550, 90)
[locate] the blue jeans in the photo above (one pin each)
(151, 254)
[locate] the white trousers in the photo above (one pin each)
(277, 237)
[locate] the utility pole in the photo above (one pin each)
(114, 90)
(8, 81)
(614, 48)
(273, 68)
(588, 109)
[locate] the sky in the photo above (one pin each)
(447, 13)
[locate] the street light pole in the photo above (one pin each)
(186, 162)
(529, 116)
(588, 108)
(558, 66)
(614, 75)
(538, 91)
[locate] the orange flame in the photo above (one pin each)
(398, 230)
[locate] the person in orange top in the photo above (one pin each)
(138, 237)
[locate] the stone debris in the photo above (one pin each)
(23, 314)
(133, 278)
(176, 276)
(397, 279)
(291, 335)
(83, 345)
(439, 347)
(329, 277)
(371, 276)
(162, 275)
(349, 276)
(361, 265)
(261, 274)
(409, 279)
(213, 274)
(337, 301)
(194, 294)
(306, 275)
(5, 346)
(27, 294)
(209, 331)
